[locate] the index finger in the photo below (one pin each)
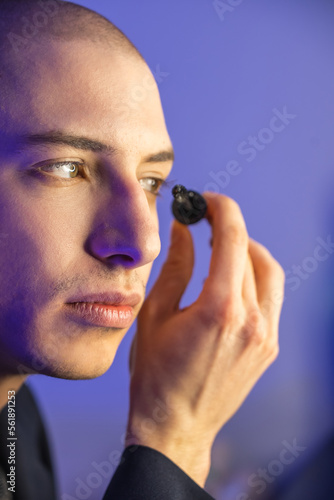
(229, 249)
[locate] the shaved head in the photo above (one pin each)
(29, 24)
(24, 21)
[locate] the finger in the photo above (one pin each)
(229, 249)
(176, 272)
(270, 280)
(249, 291)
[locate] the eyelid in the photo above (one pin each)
(79, 166)
(58, 160)
(164, 185)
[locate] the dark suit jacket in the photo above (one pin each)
(143, 473)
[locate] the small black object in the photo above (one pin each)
(188, 206)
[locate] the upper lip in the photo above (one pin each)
(108, 298)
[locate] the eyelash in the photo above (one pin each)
(162, 183)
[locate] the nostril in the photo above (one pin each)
(115, 248)
(125, 258)
(129, 258)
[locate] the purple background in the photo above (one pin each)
(225, 77)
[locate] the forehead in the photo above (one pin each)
(91, 89)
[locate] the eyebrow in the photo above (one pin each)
(86, 144)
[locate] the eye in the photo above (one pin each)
(154, 185)
(64, 169)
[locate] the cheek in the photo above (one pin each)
(37, 241)
(36, 248)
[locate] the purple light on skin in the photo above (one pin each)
(219, 93)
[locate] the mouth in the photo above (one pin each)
(112, 316)
(109, 310)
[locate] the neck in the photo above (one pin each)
(9, 383)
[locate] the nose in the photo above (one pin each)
(126, 229)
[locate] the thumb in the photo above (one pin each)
(176, 270)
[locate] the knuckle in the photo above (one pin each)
(209, 317)
(255, 319)
(256, 336)
(230, 311)
(254, 328)
(267, 307)
(205, 317)
(236, 233)
(221, 312)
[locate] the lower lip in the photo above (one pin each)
(104, 315)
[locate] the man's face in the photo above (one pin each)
(63, 234)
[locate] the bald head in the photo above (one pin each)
(28, 27)
(26, 22)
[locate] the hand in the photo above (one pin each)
(192, 368)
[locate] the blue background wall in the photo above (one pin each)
(223, 77)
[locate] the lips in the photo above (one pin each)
(104, 309)
(115, 298)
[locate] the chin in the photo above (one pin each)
(79, 360)
(77, 370)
